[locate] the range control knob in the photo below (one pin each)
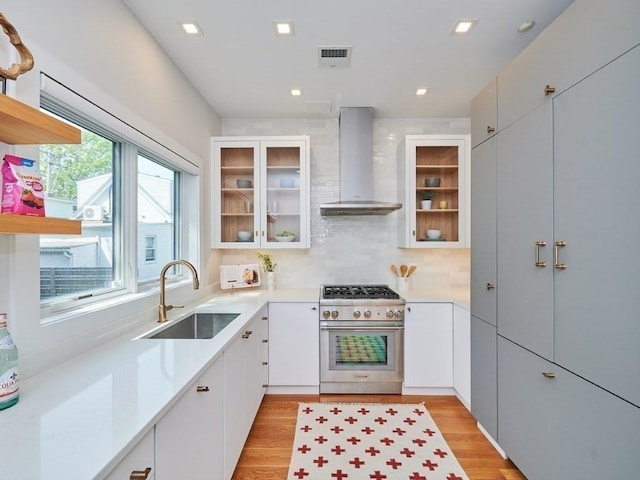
(389, 313)
(367, 314)
(398, 313)
(334, 314)
(356, 314)
(326, 314)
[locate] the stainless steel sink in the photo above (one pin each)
(197, 326)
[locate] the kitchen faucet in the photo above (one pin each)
(163, 309)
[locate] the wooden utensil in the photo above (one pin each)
(394, 269)
(412, 269)
(403, 270)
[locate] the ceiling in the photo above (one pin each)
(244, 71)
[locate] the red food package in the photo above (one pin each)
(22, 190)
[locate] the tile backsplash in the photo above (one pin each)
(355, 249)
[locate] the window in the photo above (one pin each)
(125, 188)
(150, 248)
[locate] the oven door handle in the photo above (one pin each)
(362, 329)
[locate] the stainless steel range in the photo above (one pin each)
(361, 339)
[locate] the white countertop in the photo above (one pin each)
(79, 419)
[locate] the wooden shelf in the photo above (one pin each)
(438, 210)
(21, 124)
(21, 224)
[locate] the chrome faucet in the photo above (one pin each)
(163, 309)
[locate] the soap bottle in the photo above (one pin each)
(8, 366)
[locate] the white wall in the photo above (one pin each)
(100, 50)
(358, 249)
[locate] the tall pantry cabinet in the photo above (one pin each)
(564, 348)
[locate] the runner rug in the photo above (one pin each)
(337, 441)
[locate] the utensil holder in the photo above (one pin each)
(402, 284)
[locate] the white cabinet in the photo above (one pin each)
(190, 437)
(484, 114)
(139, 462)
(245, 382)
(462, 354)
(428, 345)
(434, 166)
(294, 346)
(261, 186)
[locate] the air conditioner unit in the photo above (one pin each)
(92, 212)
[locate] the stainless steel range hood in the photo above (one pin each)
(356, 167)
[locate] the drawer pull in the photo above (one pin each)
(556, 256)
(265, 363)
(490, 129)
(245, 336)
(265, 318)
(248, 332)
(548, 375)
(202, 388)
(490, 286)
(265, 341)
(540, 243)
(548, 90)
(140, 474)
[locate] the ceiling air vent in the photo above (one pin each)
(332, 57)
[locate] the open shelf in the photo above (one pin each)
(23, 224)
(21, 124)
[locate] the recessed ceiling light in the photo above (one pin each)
(526, 26)
(422, 91)
(191, 28)
(296, 92)
(463, 26)
(283, 28)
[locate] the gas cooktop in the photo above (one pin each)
(358, 292)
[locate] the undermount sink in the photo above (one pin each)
(199, 325)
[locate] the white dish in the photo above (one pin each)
(290, 238)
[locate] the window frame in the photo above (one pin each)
(60, 100)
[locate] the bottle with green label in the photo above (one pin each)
(8, 366)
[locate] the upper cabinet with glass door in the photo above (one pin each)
(432, 175)
(261, 192)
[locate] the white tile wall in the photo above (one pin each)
(358, 249)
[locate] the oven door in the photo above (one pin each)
(361, 352)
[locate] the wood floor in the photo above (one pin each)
(267, 452)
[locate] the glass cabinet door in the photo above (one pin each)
(283, 193)
(238, 179)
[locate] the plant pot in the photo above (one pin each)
(271, 280)
(425, 204)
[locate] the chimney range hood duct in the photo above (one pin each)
(356, 167)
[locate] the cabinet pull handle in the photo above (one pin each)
(256, 233)
(548, 90)
(202, 388)
(140, 474)
(248, 332)
(408, 309)
(556, 256)
(548, 375)
(245, 336)
(263, 233)
(265, 341)
(540, 243)
(413, 233)
(265, 363)
(490, 286)
(264, 385)
(265, 318)
(314, 308)
(490, 129)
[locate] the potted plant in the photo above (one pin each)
(270, 268)
(427, 196)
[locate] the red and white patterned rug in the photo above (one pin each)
(336, 441)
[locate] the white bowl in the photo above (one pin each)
(434, 234)
(289, 238)
(242, 183)
(244, 236)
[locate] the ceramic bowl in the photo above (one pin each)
(432, 182)
(286, 182)
(244, 236)
(289, 238)
(244, 183)
(434, 234)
